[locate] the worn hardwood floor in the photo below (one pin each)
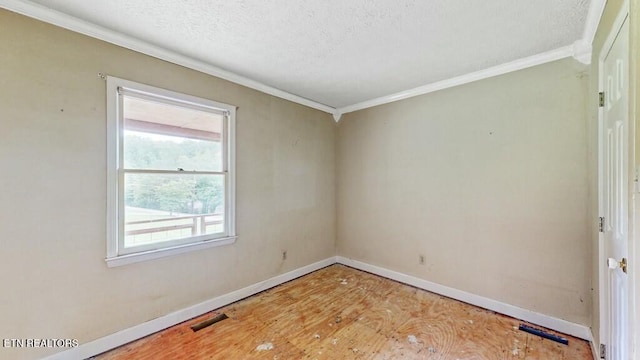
(342, 313)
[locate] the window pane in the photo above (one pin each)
(160, 136)
(163, 207)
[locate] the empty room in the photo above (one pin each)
(450, 180)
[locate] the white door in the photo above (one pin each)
(615, 195)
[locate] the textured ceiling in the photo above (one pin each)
(339, 52)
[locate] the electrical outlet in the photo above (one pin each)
(284, 255)
(421, 259)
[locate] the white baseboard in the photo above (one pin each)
(126, 336)
(139, 331)
(563, 326)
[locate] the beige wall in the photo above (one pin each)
(488, 180)
(52, 203)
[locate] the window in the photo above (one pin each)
(170, 172)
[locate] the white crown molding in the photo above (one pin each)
(550, 322)
(519, 64)
(596, 8)
(57, 18)
(580, 50)
(126, 336)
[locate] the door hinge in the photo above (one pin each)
(603, 351)
(601, 224)
(601, 99)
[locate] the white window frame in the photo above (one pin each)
(116, 255)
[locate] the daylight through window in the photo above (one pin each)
(172, 169)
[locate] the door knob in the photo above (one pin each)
(613, 264)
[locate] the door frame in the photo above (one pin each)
(632, 181)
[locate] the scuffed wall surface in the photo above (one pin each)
(53, 201)
(487, 180)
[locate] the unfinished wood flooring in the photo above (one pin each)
(342, 313)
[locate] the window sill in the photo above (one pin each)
(160, 253)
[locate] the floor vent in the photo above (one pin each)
(209, 322)
(544, 334)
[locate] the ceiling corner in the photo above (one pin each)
(582, 51)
